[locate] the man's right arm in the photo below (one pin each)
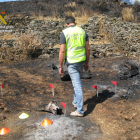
(61, 58)
(62, 52)
(87, 49)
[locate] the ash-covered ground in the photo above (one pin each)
(113, 115)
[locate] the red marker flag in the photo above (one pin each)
(114, 82)
(51, 86)
(63, 104)
(52, 89)
(94, 87)
(2, 86)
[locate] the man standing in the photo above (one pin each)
(74, 48)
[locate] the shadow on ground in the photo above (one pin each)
(92, 102)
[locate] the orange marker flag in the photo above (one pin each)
(2, 12)
(46, 122)
(4, 131)
(52, 89)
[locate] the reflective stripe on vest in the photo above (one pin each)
(75, 44)
(75, 48)
(76, 56)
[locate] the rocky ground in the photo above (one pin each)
(114, 115)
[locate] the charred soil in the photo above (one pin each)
(113, 115)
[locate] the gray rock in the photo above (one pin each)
(44, 56)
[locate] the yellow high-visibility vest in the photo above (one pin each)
(75, 44)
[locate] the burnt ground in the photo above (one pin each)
(114, 115)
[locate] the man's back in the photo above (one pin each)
(75, 44)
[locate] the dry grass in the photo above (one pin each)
(56, 46)
(48, 18)
(136, 2)
(44, 18)
(107, 37)
(101, 42)
(80, 18)
(28, 41)
(33, 15)
(72, 5)
(128, 15)
(18, 15)
(81, 14)
(7, 36)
